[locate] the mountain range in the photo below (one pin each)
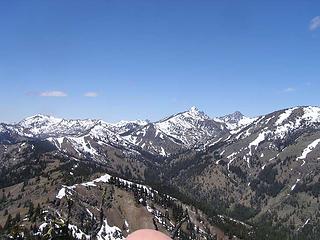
(245, 177)
(185, 130)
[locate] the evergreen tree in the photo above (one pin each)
(17, 218)
(4, 197)
(36, 213)
(31, 209)
(8, 223)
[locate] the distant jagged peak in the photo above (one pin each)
(194, 109)
(196, 113)
(235, 121)
(233, 117)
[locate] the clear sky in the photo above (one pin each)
(148, 59)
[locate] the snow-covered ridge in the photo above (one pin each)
(125, 126)
(39, 120)
(283, 122)
(68, 190)
(305, 116)
(42, 125)
(189, 129)
(124, 122)
(272, 132)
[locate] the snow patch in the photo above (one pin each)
(257, 141)
(109, 233)
(77, 233)
(293, 187)
(61, 193)
(309, 149)
(284, 116)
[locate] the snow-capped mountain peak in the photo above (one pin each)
(233, 117)
(236, 121)
(39, 119)
(189, 127)
(195, 113)
(194, 108)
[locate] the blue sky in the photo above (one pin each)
(147, 59)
